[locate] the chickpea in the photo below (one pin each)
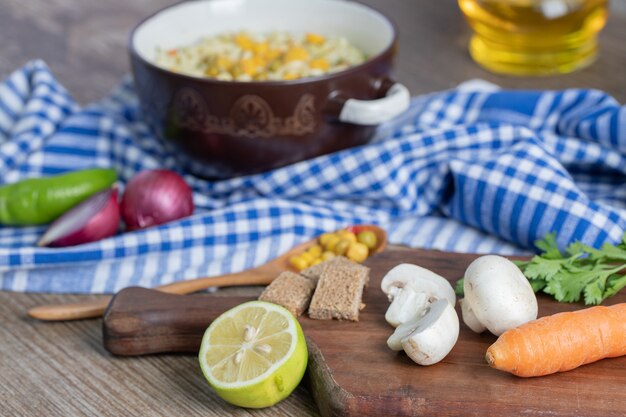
(357, 252)
(368, 238)
(315, 251)
(308, 258)
(328, 255)
(332, 242)
(316, 261)
(342, 246)
(298, 262)
(346, 234)
(324, 238)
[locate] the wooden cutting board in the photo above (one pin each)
(353, 373)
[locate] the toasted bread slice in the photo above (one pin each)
(339, 291)
(291, 291)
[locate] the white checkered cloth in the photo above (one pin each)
(461, 170)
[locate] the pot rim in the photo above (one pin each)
(307, 80)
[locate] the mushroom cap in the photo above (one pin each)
(419, 279)
(499, 294)
(435, 335)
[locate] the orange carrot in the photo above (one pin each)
(561, 342)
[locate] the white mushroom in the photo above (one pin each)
(470, 319)
(411, 289)
(497, 296)
(428, 339)
(407, 305)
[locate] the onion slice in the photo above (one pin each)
(95, 218)
(154, 197)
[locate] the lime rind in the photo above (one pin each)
(277, 381)
(229, 314)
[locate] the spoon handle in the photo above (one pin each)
(256, 276)
(95, 308)
(70, 311)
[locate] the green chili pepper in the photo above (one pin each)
(41, 200)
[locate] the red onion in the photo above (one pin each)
(93, 219)
(155, 197)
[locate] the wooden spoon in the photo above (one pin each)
(261, 275)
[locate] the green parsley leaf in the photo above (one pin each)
(458, 288)
(520, 264)
(582, 272)
(549, 247)
(610, 253)
(615, 283)
(538, 284)
(545, 269)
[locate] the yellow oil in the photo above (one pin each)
(534, 37)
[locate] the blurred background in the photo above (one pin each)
(84, 42)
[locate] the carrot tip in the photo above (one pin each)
(489, 358)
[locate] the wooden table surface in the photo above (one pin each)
(61, 369)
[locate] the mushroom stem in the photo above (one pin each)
(430, 338)
(403, 331)
(407, 305)
(470, 319)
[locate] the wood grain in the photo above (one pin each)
(62, 369)
(353, 373)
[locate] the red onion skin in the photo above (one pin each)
(155, 197)
(102, 225)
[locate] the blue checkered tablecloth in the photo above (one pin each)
(469, 170)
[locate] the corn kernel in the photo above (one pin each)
(315, 39)
(272, 54)
(296, 53)
(212, 71)
(320, 63)
(244, 41)
(261, 48)
(223, 62)
(259, 61)
(248, 66)
(290, 76)
(315, 250)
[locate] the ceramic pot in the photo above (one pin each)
(221, 129)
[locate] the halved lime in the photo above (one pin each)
(254, 355)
